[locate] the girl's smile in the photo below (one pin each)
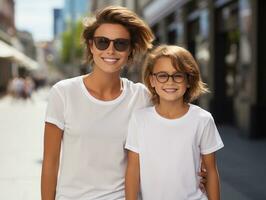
(168, 89)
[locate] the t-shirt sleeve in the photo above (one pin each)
(55, 108)
(132, 141)
(210, 138)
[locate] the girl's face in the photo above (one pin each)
(110, 47)
(170, 89)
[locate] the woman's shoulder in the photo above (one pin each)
(135, 87)
(132, 84)
(138, 92)
(67, 83)
(144, 112)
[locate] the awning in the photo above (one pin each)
(9, 52)
(157, 10)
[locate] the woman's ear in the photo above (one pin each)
(89, 45)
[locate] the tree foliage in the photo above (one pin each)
(72, 48)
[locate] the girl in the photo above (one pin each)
(166, 141)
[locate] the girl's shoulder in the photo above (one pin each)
(200, 113)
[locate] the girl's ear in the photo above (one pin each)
(152, 82)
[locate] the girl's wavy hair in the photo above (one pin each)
(140, 34)
(183, 61)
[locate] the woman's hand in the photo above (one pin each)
(203, 178)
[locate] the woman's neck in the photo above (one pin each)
(103, 86)
(172, 110)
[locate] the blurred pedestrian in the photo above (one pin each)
(87, 116)
(28, 87)
(16, 87)
(165, 141)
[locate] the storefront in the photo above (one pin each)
(10, 61)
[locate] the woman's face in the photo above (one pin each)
(110, 47)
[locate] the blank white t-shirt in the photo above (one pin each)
(93, 158)
(169, 152)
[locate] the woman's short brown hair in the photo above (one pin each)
(183, 61)
(140, 33)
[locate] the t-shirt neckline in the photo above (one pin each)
(161, 118)
(102, 102)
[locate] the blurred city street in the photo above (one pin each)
(241, 162)
(241, 166)
(21, 132)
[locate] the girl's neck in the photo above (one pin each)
(103, 86)
(172, 110)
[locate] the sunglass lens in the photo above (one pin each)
(121, 44)
(101, 43)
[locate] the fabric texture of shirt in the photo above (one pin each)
(93, 158)
(169, 151)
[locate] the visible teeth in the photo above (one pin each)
(110, 59)
(169, 90)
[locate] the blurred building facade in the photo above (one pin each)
(67, 22)
(7, 28)
(226, 38)
(58, 22)
(17, 50)
(75, 10)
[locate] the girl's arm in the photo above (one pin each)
(213, 184)
(51, 158)
(132, 176)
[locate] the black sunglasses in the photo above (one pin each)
(120, 44)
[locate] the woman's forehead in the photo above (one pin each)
(112, 31)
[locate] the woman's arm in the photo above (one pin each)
(132, 176)
(203, 177)
(213, 184)
(51, 158)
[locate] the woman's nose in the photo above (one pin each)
(110, 48)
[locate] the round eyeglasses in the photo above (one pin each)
(120, 44)
(163, 77)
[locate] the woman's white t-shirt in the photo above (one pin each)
(169, 152)
(93, 158)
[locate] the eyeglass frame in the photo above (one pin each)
(168, 76)
(114, 43)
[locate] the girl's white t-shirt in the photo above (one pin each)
(169, 151)
(93, 158)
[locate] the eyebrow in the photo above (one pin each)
(172, 73)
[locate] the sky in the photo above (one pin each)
(36, 16)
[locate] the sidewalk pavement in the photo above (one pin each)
(242, 166)
(21, 144)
